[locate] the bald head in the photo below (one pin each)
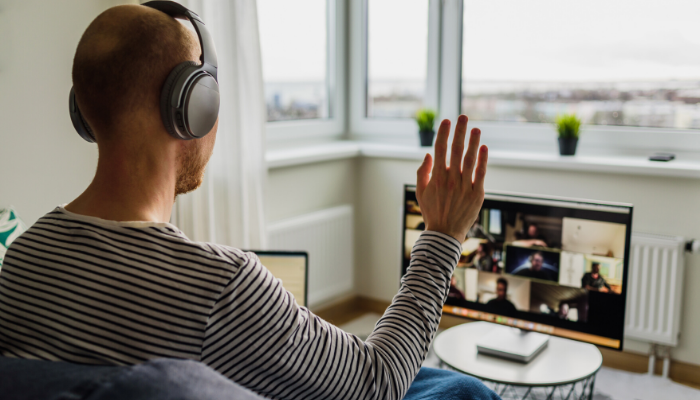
(121, 63)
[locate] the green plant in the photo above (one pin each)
(568, 125)
(425, 118)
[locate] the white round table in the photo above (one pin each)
(565, 367)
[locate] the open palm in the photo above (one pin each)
(450, 198)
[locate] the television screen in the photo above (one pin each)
(545, 264)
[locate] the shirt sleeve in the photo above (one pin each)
(261, 339)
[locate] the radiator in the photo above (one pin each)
(327, 236)
(655, 280)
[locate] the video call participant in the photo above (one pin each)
(455, 292)
(121, 285)
(594, 281)
(536, 269)
(483, 259)
(564, 310)
(478, 231)
(531, 236)
(501, 305)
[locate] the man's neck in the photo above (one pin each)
(129, 188)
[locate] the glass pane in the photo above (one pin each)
(612, 62)
(293, 41)
(397, 51)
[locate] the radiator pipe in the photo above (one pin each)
(667, 366)
(652, 359)
(692, 246)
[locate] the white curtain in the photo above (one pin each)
(229, 207)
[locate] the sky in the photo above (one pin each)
(397, 39)
(293, 39)
(503, 40)
(592, 40)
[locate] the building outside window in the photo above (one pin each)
(294, 45)
(397, 49)
(624, 63)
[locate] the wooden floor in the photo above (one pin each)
(354, 307)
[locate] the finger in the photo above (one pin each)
(470, 158)
(458, 145)
(440, 165)
(480, 174)
(423, 175)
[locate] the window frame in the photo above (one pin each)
(362, 127)
(334, 126)
(606, 139)
(444, 92)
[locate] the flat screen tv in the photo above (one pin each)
(540, 263)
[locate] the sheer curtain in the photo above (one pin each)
(229, 207)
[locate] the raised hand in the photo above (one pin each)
(450, 199)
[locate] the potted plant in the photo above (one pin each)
(568, 128)
(425, 118)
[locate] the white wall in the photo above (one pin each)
(299, 190)
(43, 161)
(662, 205)
(293, 191)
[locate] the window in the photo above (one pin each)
(622, 62)
(294, 43)
(397, 50)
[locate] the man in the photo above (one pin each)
(564, 311)
(594, 281)
(483, 259)
(106, 279)
(530, 237)
(478, 231)
(501, 305)
(537, 269)
(455, 292)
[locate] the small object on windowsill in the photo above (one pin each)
(662, 157)
(568, 126)
(425, 118)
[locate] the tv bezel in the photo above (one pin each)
(516, 195)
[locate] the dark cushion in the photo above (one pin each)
(154, 380)
(180, 380)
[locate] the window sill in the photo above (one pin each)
(681, 167)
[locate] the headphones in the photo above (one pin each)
(189, 100)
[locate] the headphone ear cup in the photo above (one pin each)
(166, 95)
(79, 123)
(201, 106)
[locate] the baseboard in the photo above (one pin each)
(336, 301)
(342, 310)
(353, 306)
(681, 372)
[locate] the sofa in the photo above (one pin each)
(174, 379)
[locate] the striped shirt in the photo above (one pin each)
(86, 290)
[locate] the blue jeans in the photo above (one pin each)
(179, 380)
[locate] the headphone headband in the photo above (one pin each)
(189, 100)
(177, 10)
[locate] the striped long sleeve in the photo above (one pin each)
(258, 337)
(85, 290)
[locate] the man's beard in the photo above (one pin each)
(191, 172)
